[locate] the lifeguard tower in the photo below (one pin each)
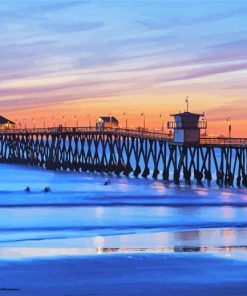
(187, 127)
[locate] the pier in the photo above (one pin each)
(129, 152)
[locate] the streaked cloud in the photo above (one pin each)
(55, 52)
(72, 28)
(154, 24)
(204, 71)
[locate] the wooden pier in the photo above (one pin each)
(128, 152)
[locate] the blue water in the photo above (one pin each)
(81, 215)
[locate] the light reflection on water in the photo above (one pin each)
(159, 187)
(227, 242)
(228, 212)
(239, 253)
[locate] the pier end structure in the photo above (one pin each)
(187, 127)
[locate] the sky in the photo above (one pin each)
(68, 61)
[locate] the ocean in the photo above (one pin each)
(81, 212)
(88, 215)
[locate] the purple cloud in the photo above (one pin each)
(231, 108)
(223, 52)
(191, 74)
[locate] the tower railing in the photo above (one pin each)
(173, 125)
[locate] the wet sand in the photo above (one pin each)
(125, 274)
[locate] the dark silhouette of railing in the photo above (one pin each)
(120, 131)
(221, 141)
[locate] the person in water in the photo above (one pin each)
(47, 189)
(107, 182)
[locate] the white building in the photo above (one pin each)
(106, 122)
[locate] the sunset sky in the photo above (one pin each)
(74, 58)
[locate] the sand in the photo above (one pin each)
(125, 274)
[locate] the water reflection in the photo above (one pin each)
(99, 241)
(235, 252)
(228, 236)
(159, 186)
(195, 240)
(228, 212)
(188, 237)
(202, 191)
(226, 194)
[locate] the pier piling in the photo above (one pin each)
(128, 152)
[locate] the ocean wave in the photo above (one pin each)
(165, 226)
(106, 203)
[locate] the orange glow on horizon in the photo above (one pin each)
(157, 110)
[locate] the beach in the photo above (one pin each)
(125, 274)
(131, 237)
(123, 148)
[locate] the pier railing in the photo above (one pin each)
(140, 132)
(223, 141)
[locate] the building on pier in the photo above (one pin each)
(6, 123)
(187, 127)
(106, 122)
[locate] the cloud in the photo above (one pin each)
(203, 72)
(35, 102)
(98, 51)
(20, 8)
(232, 109)
(236, 86)
(24, 91)
(58, 5)
(48, 95)
(153, 24)
(218, 53)
(229, 45)
(73, 28)
(141, 40)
